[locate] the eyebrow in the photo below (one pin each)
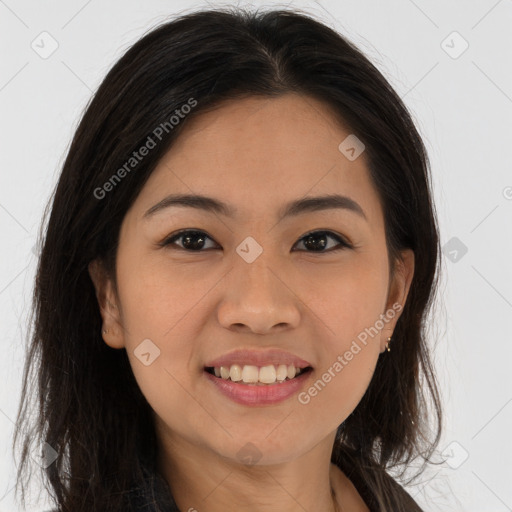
(291, 209)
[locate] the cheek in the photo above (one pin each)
(338, 387)
(348, 298)
(350, 305)
(158, 295)
(160, 320)
(171, 396)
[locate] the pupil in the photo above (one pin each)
(189, 245)
(309, 238)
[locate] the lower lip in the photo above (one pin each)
(247, 394)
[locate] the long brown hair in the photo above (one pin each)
(89, 407)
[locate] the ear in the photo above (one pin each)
(398, 291)
(107, 300)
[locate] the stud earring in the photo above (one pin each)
(105, 331)
(387, 345)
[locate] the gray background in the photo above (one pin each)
(462, 104)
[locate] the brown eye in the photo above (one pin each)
(317, 241)
(191, 240)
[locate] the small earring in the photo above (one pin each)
(387, 345)
(105, 331)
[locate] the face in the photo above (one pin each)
(255, 279)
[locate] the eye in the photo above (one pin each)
(316, 241)
(192, 240)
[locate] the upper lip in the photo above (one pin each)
(258, 358)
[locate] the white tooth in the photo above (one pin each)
(224, 372)
(235, 373)
(250, 373)
(282, 372)
(291, 371)
(267, 374)
(216, 370)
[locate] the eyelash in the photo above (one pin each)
(180, 234)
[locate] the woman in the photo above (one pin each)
(231, 297)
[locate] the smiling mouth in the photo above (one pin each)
(257, 376)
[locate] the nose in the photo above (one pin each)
(258, 298)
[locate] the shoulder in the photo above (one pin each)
(397, 495)
(406, 498)
(368, 481)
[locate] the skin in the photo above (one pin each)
(255, 154)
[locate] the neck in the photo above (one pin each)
(200, 479)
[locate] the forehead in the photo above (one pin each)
(268, 133)
(258, 153)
